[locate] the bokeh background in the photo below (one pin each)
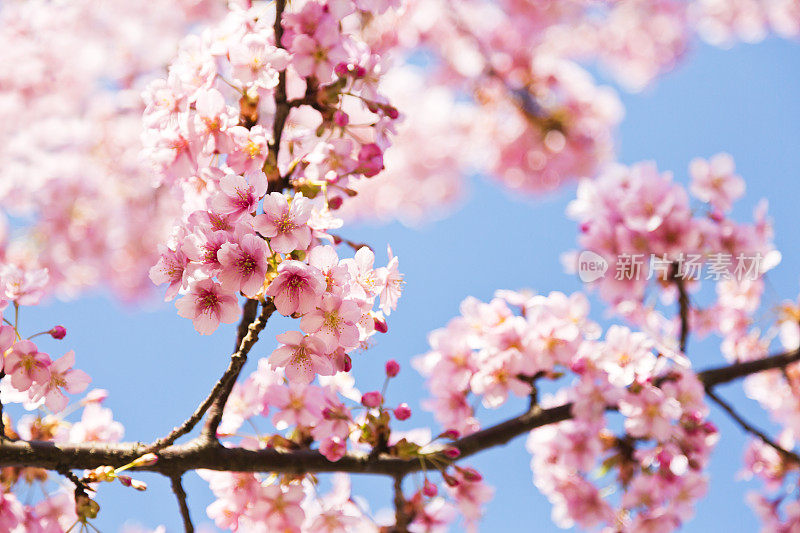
(743, 101)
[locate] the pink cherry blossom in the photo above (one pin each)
(62, 375)
(239, 194)
(244, 265)
(285, 225)
(334, 322)
(171, 268)
(714, 181)
(302, 357)
(249, 149)
(27, 365)
(207, 304)
(297, 289)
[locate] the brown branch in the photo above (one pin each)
(238, 359)
(401, 518)
(226, 380)
(683, 305)
(786, 454)
(275, 181)
(180, 494)
(206, 454)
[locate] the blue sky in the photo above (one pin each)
(743, 101)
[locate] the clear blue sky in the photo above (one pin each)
(744, 101)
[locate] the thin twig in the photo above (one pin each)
(282, 108)
(238, 359)
(2, 422)
(401, 516)
(80, 485)
(786, 454)
(180, 494)
(683, 305)
(228, 377)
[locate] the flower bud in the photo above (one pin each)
(452, 452)
(470, 474)
(371, 399)
(348, 363)
(335, 203)
(58, 332)
(380, 325)
(147, 459)
(95, 396)
(402, 412)
(392, 368)
(429, 489)
(451, 434)
(341, 119)
(341, 70)
(450, 480)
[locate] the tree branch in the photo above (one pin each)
(226, 380)
(180, 494)
(238, 359)
(208, 454)
(786, 454)
(683, 305)
(401, 519)
(275, 181)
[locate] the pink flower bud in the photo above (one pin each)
(470, 474)
(96, 396)
(335, 203)
(450, 480)
(392, 368)
(402, 412)
(58, 332)
(341, 70)
(451, 434)
(348, 363)
(125, 480)
(380, 325)
(147, 459)
(452, 452)
(429, 489)
(138, 485)
(341, 119)
(371, 399)
(578, 366)
(391, 112)
(370, 160)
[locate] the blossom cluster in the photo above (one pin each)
(241, 232)
(536, 118)
(503, 347)
(303, 107)
(38, 383)
(55, 512)
(639, 211)
(71, 122)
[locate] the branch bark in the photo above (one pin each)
(206, 454)
(401, 518)
(749, 428)
(225, 383)
(180, 494)
(238, 359)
